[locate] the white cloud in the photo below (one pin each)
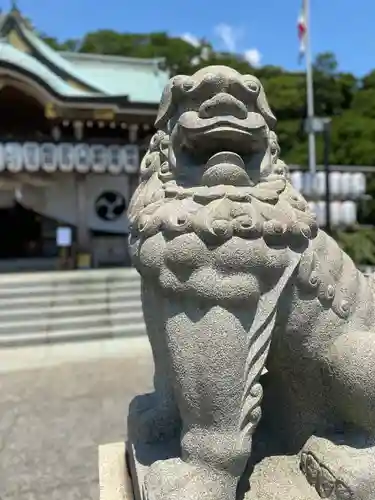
(228, 35)
(253, 57)
(190, 38)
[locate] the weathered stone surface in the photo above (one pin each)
(236, 278)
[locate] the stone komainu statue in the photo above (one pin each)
(262, 329)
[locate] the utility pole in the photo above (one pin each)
(310, 94)
(305, 50)
(327, 148)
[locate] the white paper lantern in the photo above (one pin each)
(2, 158)
(296, 178)
(99, 158)
(312, 206)
(115, 165)
(308, 184)
(320, 183)
(48, 157)
(13, 156)
(130, 158)
(82, 158)
(320, 211)
(335, 183)
(335, 213)
(358, 184)
(65, 155)
(346, 185)
(348, 213)
(31, 156)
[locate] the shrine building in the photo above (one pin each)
(72, 129)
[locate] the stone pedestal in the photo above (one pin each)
(114, 479)
(275, 477)
(121, 473)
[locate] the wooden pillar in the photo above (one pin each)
(83, 239)
(133, 178)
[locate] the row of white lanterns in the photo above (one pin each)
(344, 185)
(342, 214)
(67, 157)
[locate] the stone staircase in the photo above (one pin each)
(68, 306)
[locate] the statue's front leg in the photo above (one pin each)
(208, 351)
(155, 417)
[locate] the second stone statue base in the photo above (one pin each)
(275, 478)
(322, 470)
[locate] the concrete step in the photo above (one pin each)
(79, 282)
(71, 310)
(73, 335)
(49, 324)
(58, 289)
(60, 322)
(77, 275)
(40, 301)
(62, 306)
(59, 277)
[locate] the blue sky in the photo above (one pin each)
(266, 28)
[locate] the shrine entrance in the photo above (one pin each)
(21, 233)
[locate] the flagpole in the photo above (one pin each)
(310, 96)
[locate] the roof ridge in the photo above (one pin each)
(41, 46)
(109, 57)
(26, 62)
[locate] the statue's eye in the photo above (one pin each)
(252, 85)
(187, 84)
(182, 83)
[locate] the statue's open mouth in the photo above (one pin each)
(243, 136)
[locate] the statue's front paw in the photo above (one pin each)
(151, 420)
(174, 479)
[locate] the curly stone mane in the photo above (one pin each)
(272, 209)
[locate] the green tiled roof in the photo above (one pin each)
(55, 58)
(140, 80)
(10, 55)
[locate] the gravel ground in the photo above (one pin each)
(53, 418)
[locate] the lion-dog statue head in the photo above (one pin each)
(213, 166)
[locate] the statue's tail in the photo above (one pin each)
(259, 343)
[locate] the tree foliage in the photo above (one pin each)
(350, 102)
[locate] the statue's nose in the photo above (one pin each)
(222, 104)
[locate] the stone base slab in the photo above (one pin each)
(114, 479)
(276, 478)
(122, 469)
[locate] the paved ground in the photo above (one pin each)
(53, 417)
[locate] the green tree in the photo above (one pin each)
(359, 245)
(70, 45)
(333, 91)
(178, 53)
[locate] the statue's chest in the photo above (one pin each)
(236, 268)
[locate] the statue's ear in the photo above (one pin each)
(265, 109)
(167, 106)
